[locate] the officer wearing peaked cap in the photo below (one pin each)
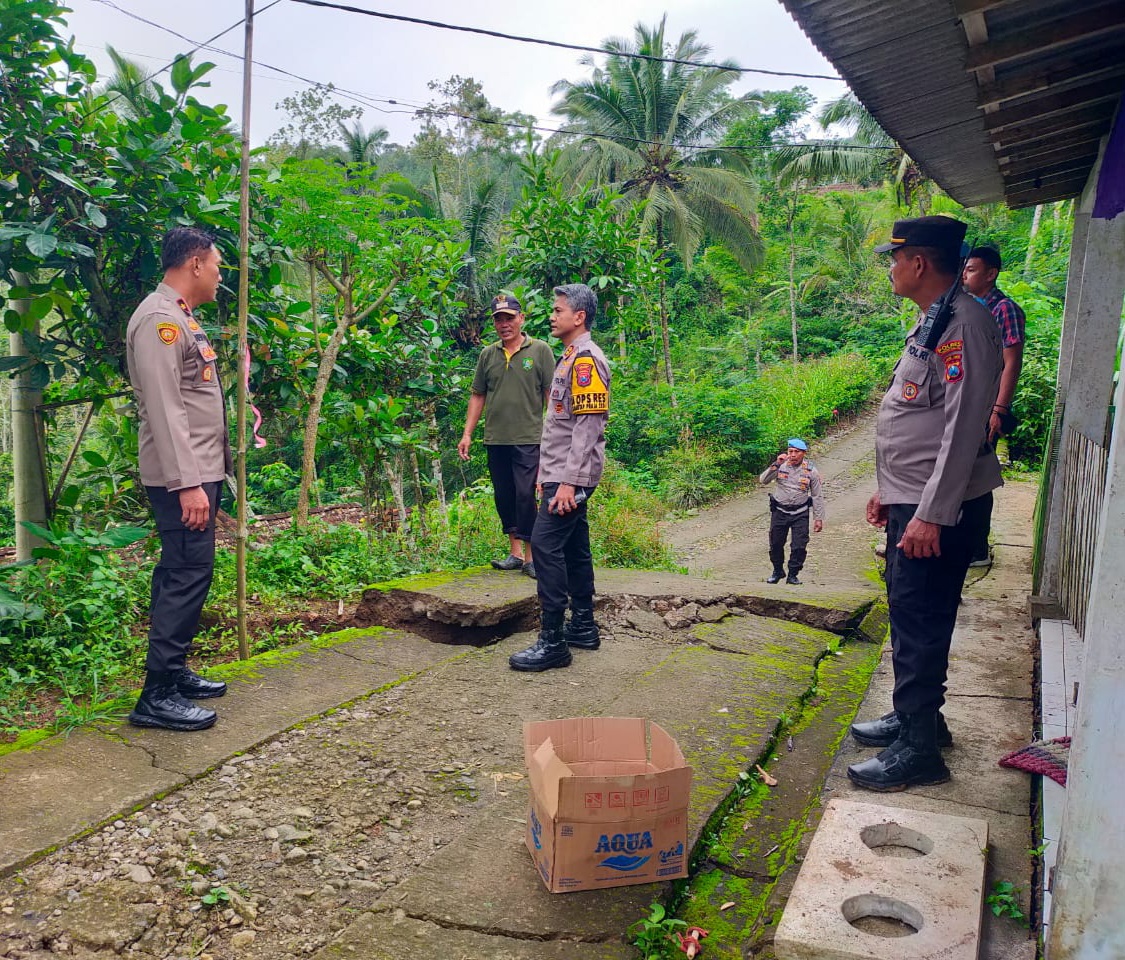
(935, 470)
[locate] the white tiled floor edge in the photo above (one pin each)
(1060, 651)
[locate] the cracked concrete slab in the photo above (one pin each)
(392, 936)
(721, 707)
(751, 634)
(66, 785)
(269, 698)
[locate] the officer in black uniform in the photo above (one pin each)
(571, 460)
(936, 470)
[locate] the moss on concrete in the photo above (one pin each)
(25, 740)
(422, 582)
(747, 847)
(251, 667)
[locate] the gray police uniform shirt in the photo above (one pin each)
(931, 446)
(183, 431)
(795, 487)
(573, 446)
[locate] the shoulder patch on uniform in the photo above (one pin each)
(169, 333)
(588, 393)
(950, 346)
(954, 367)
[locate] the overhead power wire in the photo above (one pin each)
(556, 43)
(370, 101)
(176, 59)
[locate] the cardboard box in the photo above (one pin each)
(609, 802)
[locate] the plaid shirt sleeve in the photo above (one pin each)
(1009, 318)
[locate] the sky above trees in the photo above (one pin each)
(382, 60)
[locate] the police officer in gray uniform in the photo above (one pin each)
(184, 456)
(571, 460)
(798, 489)
(936, 470)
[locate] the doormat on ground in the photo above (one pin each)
(1045, 757)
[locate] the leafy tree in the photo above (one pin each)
(314, 123)
(559, 236)
(774, 124)
(650, 130)
(341, 224)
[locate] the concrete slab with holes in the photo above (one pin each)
(883, 883)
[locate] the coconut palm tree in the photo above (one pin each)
(363, 146)
(868, 154)
(650, 129)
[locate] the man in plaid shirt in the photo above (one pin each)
(979, 278)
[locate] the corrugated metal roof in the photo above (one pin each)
(994, 99)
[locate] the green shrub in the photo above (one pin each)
(691, 474)
(800, 401)
(72, 616)
(624, 524)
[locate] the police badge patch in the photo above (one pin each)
(954, 367)
(584, 373)
(909, 390)
(169, 333)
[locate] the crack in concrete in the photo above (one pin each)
(491, 930)
(742, 873)
(990, 696)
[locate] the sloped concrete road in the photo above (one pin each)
(364, 796)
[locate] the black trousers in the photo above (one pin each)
(980, 547)
(514, 470)
(780, 526)
(564, 565)
(180, 580)
(923, 595)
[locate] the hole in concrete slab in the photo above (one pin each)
(895, 840)
(881, 916)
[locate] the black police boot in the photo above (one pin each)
(884, 731)
(191, 685)
(581, 631)
(912, 760)
(549, 650)
(777, 576)
(792, 578)
(162, 705)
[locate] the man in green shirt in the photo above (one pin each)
(513, 377)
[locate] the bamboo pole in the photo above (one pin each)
(243, 345)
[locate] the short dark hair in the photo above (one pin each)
(945, 260)
(182, 243)
(580, 297)
(988, 255)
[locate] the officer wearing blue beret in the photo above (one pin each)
(798, 490)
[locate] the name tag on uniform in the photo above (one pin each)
(588, 393)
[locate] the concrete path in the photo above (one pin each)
(364, 796)
(990, 709)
